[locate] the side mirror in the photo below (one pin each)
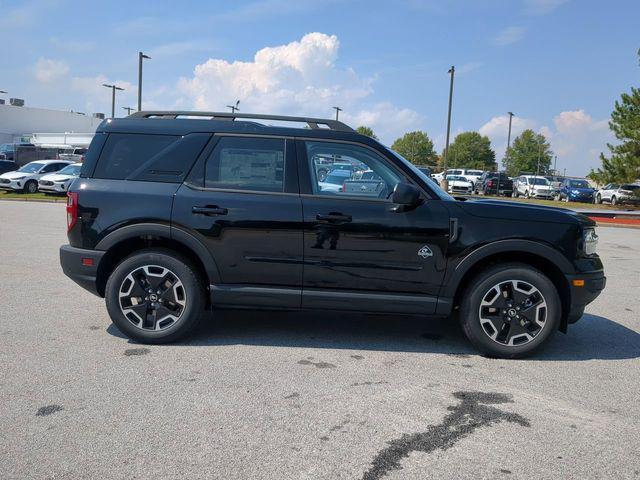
(405, 197)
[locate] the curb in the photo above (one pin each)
(37, 200)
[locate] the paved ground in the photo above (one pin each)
(291, 396)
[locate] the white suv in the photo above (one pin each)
(59, 182)
(531, 186)
(26, 178)
(616, 193)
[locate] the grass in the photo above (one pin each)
(33, 196)
(569, 205)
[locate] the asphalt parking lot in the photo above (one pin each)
(303, 396)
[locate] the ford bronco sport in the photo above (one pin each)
(175, 212)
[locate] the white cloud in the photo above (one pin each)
(509, 35)
(575, 137)
(541, 7)
(299, 78)
(48, 70)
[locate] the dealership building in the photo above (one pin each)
(40, 125)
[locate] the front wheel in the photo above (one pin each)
(155, 296)
(31, 186)
(510, 310)
(597, 199)
(614, 200)
(526, 194)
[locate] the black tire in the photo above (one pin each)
(614, 200)
(31, 186)
(597, 199)
(481, 287)
(526, 194)
(191, 287)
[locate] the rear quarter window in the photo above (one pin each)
(153, 158)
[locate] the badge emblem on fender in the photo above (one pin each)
(425, 252)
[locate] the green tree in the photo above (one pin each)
(363, 130)
(530, 153)
(471, 150)
(416, 147)
(624, 163)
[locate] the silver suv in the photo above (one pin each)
(616, 193)
(531, 186)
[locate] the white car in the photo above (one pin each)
(334, 181)
(26, 178)
(531, 186)
(59, 182)
(616, 193)
(459, 184)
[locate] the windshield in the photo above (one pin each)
(578, 184)
(6, 147)
(32, 167)
(70, 170)
(438, 191)
(539, 181)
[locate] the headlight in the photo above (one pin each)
(590, 241)
(18, 178)
(59, 181)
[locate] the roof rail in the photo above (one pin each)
(313, 123)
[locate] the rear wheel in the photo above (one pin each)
(155, 296)
(510, 310)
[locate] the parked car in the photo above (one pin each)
(76, 155)
(614, 193)
(495, 183)
(7, 166)
(59, 182)
(469, 174)
(8, 150)
(575, 190)
(198, 216)
(459, 184)
(425, 170)
(532, 186)
(334, 180)
(26, 178)
(324, 167)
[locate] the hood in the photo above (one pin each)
(581, 190)
(13, 175)
(523, 212)
(53, 177)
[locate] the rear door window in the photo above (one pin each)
(246, 163)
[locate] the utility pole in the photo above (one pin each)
(508, 155)
(234, 108)
(555, 164)
(128, 109)
(141, 56)
(444, 184)
(338, 110)
(113, 97)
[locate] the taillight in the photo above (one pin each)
(490, 183)
(72, 210)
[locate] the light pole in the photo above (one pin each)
(128, 109)
(234, 108)
(141, 56)
(444, 184)
(338, 110)
(113, 97)
(508, 156)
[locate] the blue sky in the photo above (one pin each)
(559, 65)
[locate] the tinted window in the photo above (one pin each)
(123, 153)
(242, 163)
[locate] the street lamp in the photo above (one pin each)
(235, 107)
(338, 110)
(508, 144)
(141, 56)
(129, 109)
(444, 183)
(113, 97)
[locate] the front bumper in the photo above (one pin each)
(81, 266)
(55, 188)
(13, 185)
(583, 295)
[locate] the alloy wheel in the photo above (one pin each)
(152, 297)
(513, 312)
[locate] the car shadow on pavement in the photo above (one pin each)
(593, 337)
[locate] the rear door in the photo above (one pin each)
(358, 253)
(241, 201)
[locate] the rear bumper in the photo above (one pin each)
(594, 283)
(81, 266)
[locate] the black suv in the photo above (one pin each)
(172, 215)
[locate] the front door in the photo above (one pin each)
(242, 202)
(358, 252)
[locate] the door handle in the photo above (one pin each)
(209, 210)
(334, 217)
